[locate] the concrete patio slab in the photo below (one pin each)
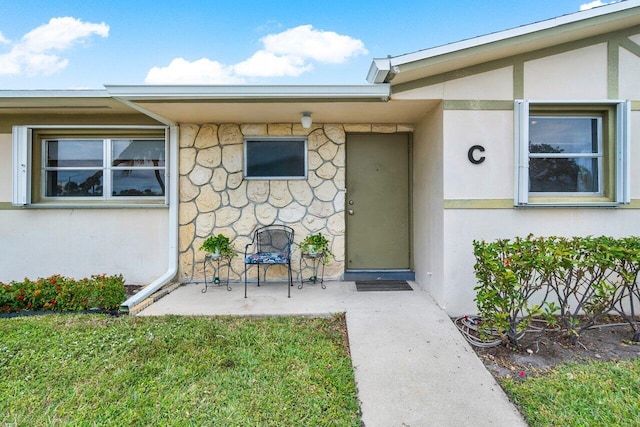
(412, 367)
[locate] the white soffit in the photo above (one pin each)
(563, 29)
(272, 104)
(401, 112)
(60, 101)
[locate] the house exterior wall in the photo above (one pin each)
(492, 179)
(484, 85)
(488, 84)
(78, 242)
(478, 199)
(427, 203)
(629, 70)
(5, 167)
(565, 76)
(82, 242)
(214, 197)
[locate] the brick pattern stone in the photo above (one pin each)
(214, 197)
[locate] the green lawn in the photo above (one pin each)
(100, 370)
(591, 394)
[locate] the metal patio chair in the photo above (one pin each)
(270, 245)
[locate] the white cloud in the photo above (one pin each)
(596, 3)
(202, 71)
(321, 46)
(4, 40)
(34, 53)
(61, 34)
(268, 64)
(288, 53)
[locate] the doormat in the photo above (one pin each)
(382, 285)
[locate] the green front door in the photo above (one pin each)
(377, 202)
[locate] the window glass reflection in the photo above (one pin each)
(137, 183)
(73, 183)
(570, 175)
(74, 153)
(563, 135)
(138, 152)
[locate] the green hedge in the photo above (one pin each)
(57, 293)
(579, 279)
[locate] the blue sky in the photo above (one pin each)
(83, 44)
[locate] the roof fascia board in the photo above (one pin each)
(426, 57)
(234, 92)
(505, 62)
(54, 94)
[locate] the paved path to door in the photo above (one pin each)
(412, 367)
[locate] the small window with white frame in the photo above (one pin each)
(275, 158)
(571, 153)
(79, 165)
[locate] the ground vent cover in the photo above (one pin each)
(382, 285)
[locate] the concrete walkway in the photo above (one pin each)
(412, 367)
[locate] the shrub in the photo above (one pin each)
(627, 266)
(508, 277)
(58, 293)
(587, 277)
(582, 276)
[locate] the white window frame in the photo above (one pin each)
(598, 155)
(522, 195)
(23, 145)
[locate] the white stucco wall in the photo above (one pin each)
(5, 167)
(493, 178)
(456, 202)
(462, 226)
(81, 242)
(487, 85)
(428, 228)
(577, 74)
(78, 242)
(629, 70)
(494, 85)
(635, 157)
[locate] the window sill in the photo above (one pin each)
(570, 205)
(103, 205)
(570, 201)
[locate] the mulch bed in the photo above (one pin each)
(543, 350)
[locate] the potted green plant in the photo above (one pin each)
(316, 244)
(218, 246)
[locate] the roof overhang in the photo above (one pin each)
(540, 35)
(248, 92)
(270, 104)
(67, 102)
(220, 104)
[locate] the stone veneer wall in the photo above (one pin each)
(214, 197)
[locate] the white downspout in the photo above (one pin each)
(172, 269)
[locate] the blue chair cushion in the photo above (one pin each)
(267, 258)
